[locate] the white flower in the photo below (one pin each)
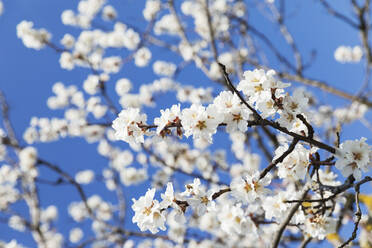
(353, 112)
(12, 244)
(163, 68)
(168, 196)
(357, 53)
(68, 17)
(233, 219)
(328, 178)
(111, 64)
(91, 84)
(255, 83)
(8, 175)
(319, 226)
(109, 13)
(68, 41)
(90, 7)
(131, 39)
(201, 122)
(275, 207)
(76, 234)
(250, 188)
(78, 211)
(128, 126)
(297, 103)
(287, 119)
(142, 57)
(258, 85)
(17, 223)
(49, 214)
(148, 215)
(193, 188)
(94, 106)
(84, 177)
(130, 176)
(129, 244)
(292, 106)
(123, 86)
(295, 165)
(32, 38)
(235, 114)
(354, 157)
(194, 95)
(67, 61)
(177, 228)
(152, 7)
(168, 116)
(202, 202)
(27, 158)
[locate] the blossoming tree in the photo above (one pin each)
(246, 159)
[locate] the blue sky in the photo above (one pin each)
(28, 75)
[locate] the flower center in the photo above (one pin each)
(357, 156)
(294, 106)
(247, 187)
(237, 117)
(258, 88)
(237, 219)
(201, 125)
(147, 210)
(204, 200)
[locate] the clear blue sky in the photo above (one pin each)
(26, 78)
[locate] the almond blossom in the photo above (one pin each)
(148, 213)
(200, 122)
(129, 126)
(354, 156)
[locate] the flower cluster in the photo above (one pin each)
(347, 54)
(263, 91)
(32, 38)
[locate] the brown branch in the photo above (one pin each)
(12, 139)
(336, 190)
(358, 215)
(324, 86)
(363, 13)
(310, 129)
(266, 40)
(70, 179)
(305, 242)
(288, 36)
(338, 15)
(286, 221)
(263, 122)
(231, 86)
(280, 159)
(262, 145)
(184, 38)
